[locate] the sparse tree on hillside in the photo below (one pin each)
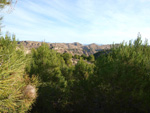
(91, 58)
(76, 56)
(84, 56)
(67, 57)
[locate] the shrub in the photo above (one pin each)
(46, 64)
(13, 80)
(123, 76)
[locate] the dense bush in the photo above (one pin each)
(123, 76)
(84, 56)
(17, 90)
(91, 58)
(117, 82)
(76, 56)
(67, 58)
(47, 64)
(63, 86)
(80, 92)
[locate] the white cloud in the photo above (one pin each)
(85, 21)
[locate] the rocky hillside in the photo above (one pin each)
(73, 48)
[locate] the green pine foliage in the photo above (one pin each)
(76, 56)
(46, 64)
(83, 70)
(84, 56)
(15, 94)
(5, 2)
(91, 58)
(67, 57)
(122, 77)
(80, 97)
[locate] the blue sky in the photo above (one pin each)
(84, 21)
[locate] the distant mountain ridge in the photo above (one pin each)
(73, 48)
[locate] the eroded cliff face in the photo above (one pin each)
(73, 48)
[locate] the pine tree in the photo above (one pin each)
(91, 58)
(80, 91)
(17, 90)
(84, 56)
(46, 64)
(122, 77)
(67, 57)
(83, 70)
(76, 56)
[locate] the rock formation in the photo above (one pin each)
(73, 48)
